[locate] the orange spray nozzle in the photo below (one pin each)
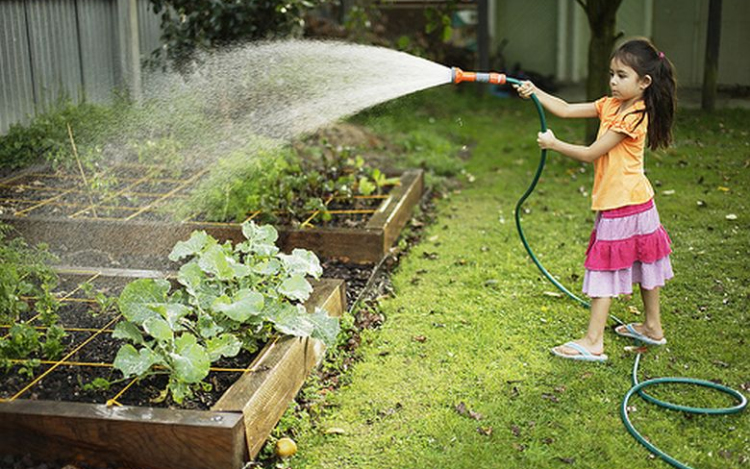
(458, 75)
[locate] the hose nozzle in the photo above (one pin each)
(458, 75)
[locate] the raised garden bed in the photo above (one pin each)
(49, 208)
(221, 433)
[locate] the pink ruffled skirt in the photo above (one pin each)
(628, 245)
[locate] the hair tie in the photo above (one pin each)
(661, 55)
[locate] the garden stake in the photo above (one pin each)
(458, 76)
(80, 168)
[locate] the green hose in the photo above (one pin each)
(637, 386)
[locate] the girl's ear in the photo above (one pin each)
(645, 82)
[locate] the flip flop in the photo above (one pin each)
(583, 354)
(631, 333)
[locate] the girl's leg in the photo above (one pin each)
(593, 341)
(651, 326)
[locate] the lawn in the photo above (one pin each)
(460, 374)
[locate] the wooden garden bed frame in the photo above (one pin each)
(225, 437)
(357, 245)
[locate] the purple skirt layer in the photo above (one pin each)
(603, 283)
(628, 245)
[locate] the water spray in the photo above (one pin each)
(459, 76)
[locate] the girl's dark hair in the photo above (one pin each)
(642, 56)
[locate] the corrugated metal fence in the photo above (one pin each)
(77, 49)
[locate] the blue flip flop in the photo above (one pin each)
(631, 333)
(583, 354)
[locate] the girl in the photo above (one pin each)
(628, 243)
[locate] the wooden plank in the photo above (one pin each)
(264, 394)
(158, 239)
(396, 210)
(361, 246)
(132, 436)
(113, 272)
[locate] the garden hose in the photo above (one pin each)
(458, 76)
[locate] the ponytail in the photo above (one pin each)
(659, 97)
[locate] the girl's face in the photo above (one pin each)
(625, 82)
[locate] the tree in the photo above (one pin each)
(711, 72)
(189, 26)
(602, 17)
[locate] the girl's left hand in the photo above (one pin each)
(546, 140)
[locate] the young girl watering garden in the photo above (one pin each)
(628, 244)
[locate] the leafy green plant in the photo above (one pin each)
(24, 274)
(46, 137)
(286, 184)
(228, 298)
(192, 25)
(27, 281)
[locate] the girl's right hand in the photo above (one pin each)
(546, 140)
(525, 89)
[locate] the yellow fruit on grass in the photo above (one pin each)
(285, 447)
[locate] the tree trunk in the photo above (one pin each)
(711, 72)
(483, 39)
(602, 16)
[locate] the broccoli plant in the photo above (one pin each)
(227, 298)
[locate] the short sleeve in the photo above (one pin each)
(599, 104)
(632, 124)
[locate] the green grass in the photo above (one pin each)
(470, 289)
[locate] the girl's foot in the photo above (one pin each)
(580, 350)
(640, 332)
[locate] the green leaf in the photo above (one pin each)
(158, 328)
(246, 303)
(180, 390)
(191, 276)
(174, 313)
(190, 360)
(296, 288)
(128, 331)
(302, 262)
(327, 328)
(268, 268)
(289, 319)
(260, 239)
(225, 345)
(197, 242)
(215, 261)
(140, 296)
(132, 362)
(241, 270)
(365, 186)
(207, 327)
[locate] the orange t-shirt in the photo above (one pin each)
(619, 179)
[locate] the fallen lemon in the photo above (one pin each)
(285, 447)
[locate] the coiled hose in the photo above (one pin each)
(637, 386)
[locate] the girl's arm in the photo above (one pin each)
(586, 154)
(555, 105)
